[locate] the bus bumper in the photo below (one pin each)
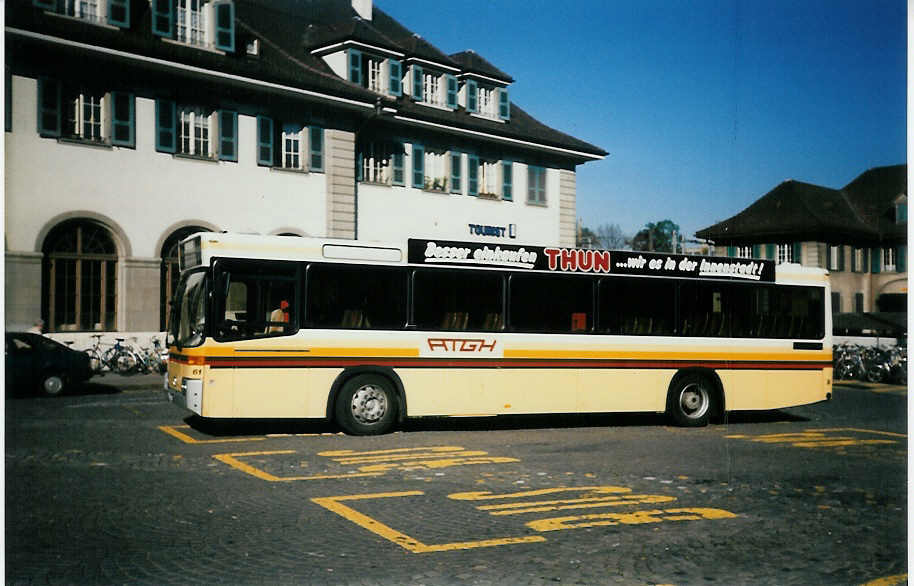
(189, 395)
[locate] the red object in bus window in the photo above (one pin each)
(578, 322)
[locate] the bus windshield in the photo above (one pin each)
(189, 311)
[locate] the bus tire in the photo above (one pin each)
(690, 401)
(366, 405)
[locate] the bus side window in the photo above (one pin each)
(458, 301)
(255, 300)
(551, 303)
(356, 297)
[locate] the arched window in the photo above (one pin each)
(169, 271)
(80, 277)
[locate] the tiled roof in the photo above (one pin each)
(861, 211)
(472, 62)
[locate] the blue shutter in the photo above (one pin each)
(355, 66)
(876, 263)
(901, 213)
(798, 252)
(264, 141)
(472, 175)
(166, 126)
(507, 181)
(866, 261)
(228, 135)
(841, 257)
(396, 162)
(504, 105)
(48, 107)
(731, 251)
(418, 166)
(123, 119)
(756, 250)
(45, 4)
(163, 18)
(119, 13)
(770, 252)
(456, 168)
(396, 77)
(451, 91)
(316, 148)
(417, 83)
(225, 26)
(472, 96)
(900, 254)
(359, 160)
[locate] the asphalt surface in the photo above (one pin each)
(113, 485)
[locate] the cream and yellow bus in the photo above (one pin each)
(369, 334)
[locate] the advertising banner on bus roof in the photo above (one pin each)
(578, 260)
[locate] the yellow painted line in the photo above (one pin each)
(545, 506)
(439, 463)
(406, 457)
(857, 430)
(233, 461)
(485, 495)
(888, 580)
(172, 430)
(633, 518)
(335, 504)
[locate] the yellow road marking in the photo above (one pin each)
(342, 453)
(857, 430)
(888, 580)
(818, 438)
(484, 495)
(633, 518)
(172, 430)
(335, 504)
(233, 461)
(563, 505)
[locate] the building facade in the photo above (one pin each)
(133, 123)
(858, 233)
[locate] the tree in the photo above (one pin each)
(658, 237)
(606, 236)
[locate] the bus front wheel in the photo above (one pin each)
(366, 405)
(690, 401)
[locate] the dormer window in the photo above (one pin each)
(378, 74)
(487, 101)
(208, 24)
(112, 12)
(434, 88)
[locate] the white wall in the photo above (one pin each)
(145, 192)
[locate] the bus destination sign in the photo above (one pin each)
(577, 260)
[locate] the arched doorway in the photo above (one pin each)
(80, 278)
(169, 272)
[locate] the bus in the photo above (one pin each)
(367, 334)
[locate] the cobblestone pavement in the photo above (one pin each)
(115, 485)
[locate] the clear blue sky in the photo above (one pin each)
(704, 106)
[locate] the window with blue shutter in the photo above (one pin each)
(770, 252)
(756, 251)
(396, 77)
(265, 141)
(504, 106)
(417, 83)
(507, 181)
(901, 213)
(166, 126)
(472, 96)
(456, 172)
(119, 13)
(900, 259)
(418, 166)
(472, 175)
(797, 253)
(359, 161)
(48, 107)
(46, 4)
(840, 257)
(396, 163)
(355, 66)
(316, 147)
(225, 26)
(123, 119)
(451, 91)
(876, 261)
(163, 18)
(228, 135)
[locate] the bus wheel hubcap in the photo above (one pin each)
(693, 400)
(369, 404)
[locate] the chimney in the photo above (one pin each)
(362, 8)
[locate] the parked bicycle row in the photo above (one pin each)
(126, 357)
(870, 363)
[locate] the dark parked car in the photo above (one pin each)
(38, 364)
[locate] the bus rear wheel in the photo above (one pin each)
(366, 405)
(690, 401)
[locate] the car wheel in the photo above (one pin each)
(367, 405)
(52, 385)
